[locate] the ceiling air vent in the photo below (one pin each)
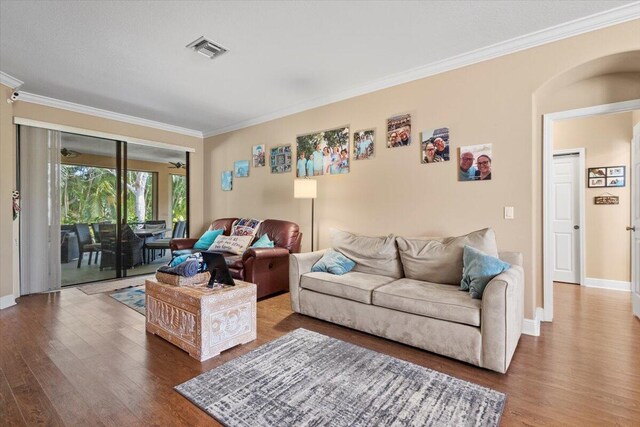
(207, 48)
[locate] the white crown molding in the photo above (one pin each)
(10, 81)
(85, 109)
(569, 29)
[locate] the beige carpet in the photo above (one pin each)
(113, 285)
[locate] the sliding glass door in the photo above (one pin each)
(89, 208)
(96, 209)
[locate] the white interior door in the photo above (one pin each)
(635, 220)
(566, 218)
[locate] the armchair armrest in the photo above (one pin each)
(177, 244)
(262, 253)
(300, 264)
(502, 317)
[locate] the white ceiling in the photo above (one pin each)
(130, 57)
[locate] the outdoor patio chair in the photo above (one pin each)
(179, 228)
(85, 243)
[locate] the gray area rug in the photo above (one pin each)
(308, 379)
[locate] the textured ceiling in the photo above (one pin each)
(130, 57)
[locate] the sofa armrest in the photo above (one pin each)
(502, 316)
(300, 264)
(262, 253)
(178, 244)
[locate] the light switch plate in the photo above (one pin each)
(508, 212)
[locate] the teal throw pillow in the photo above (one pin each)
(207, 239)
(178, 260)
(479, 268)
(263, 242)
(333, 262)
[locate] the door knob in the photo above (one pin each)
(576, 227)
(631, 229)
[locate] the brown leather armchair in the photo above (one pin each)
(268, 268)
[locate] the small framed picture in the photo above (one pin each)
(227, 181)
(363, 144)
(258, 155)
(615, 171)
(597, 172)
(615, 181)
(435, 145)
(597, 182)
(399, 131)
(241, 168)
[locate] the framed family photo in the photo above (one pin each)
(258, 155)
(475, 163)
(323, 153)
(399, 131)
(364, 144)
(435, 145)
(281, 159)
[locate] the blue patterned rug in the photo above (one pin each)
(133, 298)
(308, 379)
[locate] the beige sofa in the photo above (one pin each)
(377, 297)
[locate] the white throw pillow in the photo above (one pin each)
(234, 244)
(373, 255)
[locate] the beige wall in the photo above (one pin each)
(8, 250)
(606, 140)
(163, 171)
(83, 121)
(490, 102)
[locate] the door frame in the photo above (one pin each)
(581, 152)
(635, 204)
(547, 182)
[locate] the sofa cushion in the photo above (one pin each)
(353, 285)
(440, 260)
(375, 255)
(434, 300)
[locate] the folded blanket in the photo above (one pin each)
(188, 268)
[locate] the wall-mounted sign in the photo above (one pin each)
(606, 200)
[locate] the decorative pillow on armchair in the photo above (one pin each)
(245, 227)
(234, 244)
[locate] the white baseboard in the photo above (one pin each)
(7, 301)
(616, 285)
(532, 326)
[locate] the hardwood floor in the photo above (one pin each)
(68, 358)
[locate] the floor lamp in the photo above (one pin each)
(306, 189)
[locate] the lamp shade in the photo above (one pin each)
(305, 189)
